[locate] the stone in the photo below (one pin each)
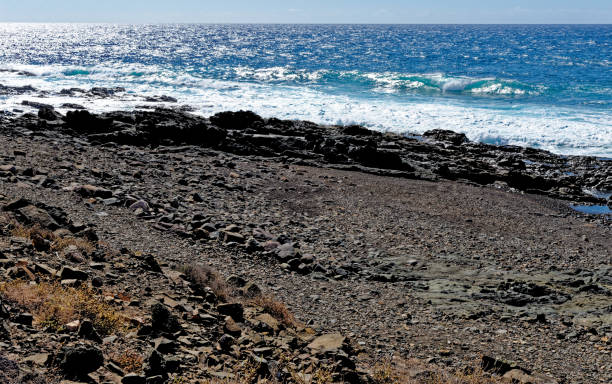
(78, 360)
(151, 264)
(163, 320)
(133, 378)
(446, 136)
(165, 346)
(250, 289)
(518, 376)
(269, 321)
(286, 252)
(24, 319)
(233, 237)
(89, 190)
(155, 365)
(88, 331)
(140, 204)
(49, 114)
(97, 282)
(44, 269)
(231, 327)
(33, 215)
(16, 204)
(40, 359)
(225, 342)
(331, 342)
(73, 326)
(234, 310)
(68, 273)
(235, 120)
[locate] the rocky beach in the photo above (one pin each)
(235, 248)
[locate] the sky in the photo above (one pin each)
(310, 11)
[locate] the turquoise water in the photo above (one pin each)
(542, 86)
(593, 209)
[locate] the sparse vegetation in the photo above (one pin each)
(275, 309)
(129, 360)
(57, 243)
(203, 276)
(54, 305)
(413, 371)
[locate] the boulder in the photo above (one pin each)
(88, 190)
(447, 136)
(235, 120)
(331, 342)
(48, 114)
(69, 273)
(78, 360)
(31, 215)
(163, 320)
(234, 310)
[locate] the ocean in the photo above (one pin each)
(543, 86)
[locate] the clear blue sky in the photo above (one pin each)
(309, 11)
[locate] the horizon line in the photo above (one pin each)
(275, 23)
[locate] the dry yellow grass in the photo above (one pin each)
(19, 230)
(401, 371)
(202, 276)
(55, 305)
(129, 360)
(82, 244)
(57, 243)
(275, 309)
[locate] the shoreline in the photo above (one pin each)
(433, 155)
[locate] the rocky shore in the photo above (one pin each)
(456, 253)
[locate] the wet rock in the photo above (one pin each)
(446, 136)
(235, 120)
(37, 105)
(48, 114)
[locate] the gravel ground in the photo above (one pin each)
(444, 271)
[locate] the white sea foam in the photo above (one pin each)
(556, 129)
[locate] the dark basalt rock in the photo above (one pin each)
(235, 120)
(79, 360)
(445, 154)
(447, 136)
(49, 114)
(163, 320)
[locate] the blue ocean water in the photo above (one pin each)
(545, 86)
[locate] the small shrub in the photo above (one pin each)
(82, 244)
(202, 276)
(57, 243)
(401, 371)
(54, 305)
(20, 230)
(130, 361)
(275, 309)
